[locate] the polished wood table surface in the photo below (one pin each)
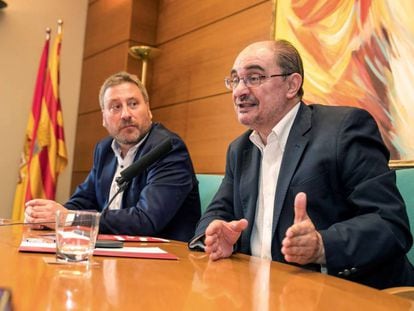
(190, 283)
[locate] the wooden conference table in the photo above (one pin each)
(190, 283)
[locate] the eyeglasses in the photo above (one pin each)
(253, 80)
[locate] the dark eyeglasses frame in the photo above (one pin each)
(248, 82)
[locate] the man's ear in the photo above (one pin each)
(294, 83)
(103, 120)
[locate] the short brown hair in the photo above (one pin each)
(119, 78)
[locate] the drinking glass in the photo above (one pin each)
(76, 233)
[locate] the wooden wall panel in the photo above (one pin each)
(180, 17)
(193, 66)
(112, 22)
(90, 130)
(108, 24)
(96, 69)
(207, 125)
(144, 21)
(212, 125)
(174, 118)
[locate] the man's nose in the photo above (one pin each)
(125, 112)
(241, 89)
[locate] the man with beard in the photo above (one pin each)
(307, 185)
(161, 201)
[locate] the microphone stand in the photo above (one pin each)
(122, 185)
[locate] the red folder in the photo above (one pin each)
(131, 238)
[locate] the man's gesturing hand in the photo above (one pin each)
(221, 236)
(302, 243)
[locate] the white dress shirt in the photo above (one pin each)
(123, 163)
(272, 153)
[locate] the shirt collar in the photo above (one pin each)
(280, 131)
(131, 152)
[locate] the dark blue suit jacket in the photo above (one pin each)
(336, 156)
(163, 201)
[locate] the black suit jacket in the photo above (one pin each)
(162, 201)
(337, 157)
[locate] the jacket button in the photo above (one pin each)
(347, 272)
(353, 270)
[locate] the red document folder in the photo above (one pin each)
(130, 238)
(34, 246)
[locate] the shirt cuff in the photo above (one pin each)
(197, 244)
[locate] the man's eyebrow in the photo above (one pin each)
(110, 100)
(250, 67)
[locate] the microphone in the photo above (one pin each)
(138, 166)
(142, 163)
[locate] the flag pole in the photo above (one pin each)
(48, 32)
(60, 26)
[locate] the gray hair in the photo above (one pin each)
(289, 60)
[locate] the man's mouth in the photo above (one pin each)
(126, 127)
(245, 106)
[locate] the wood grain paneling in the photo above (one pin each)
(108, 24)
(144, 21)
(193, 66)
(89, 132)
(113, 22)
(174, 118)
(97, 68)
(207, 126)
(212, 125)
(180, 17)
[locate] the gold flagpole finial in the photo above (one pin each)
(48, 31)
(60, 25)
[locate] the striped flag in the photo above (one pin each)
(44, 155)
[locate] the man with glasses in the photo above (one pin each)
(307, 185)
(161, 201)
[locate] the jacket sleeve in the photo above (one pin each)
(154, 197)
(85, 196)
(379, 226)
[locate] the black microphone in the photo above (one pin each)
(138, 166)
(142, 163)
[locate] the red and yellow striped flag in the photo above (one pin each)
(44, 155)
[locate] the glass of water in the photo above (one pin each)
(76, 233)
